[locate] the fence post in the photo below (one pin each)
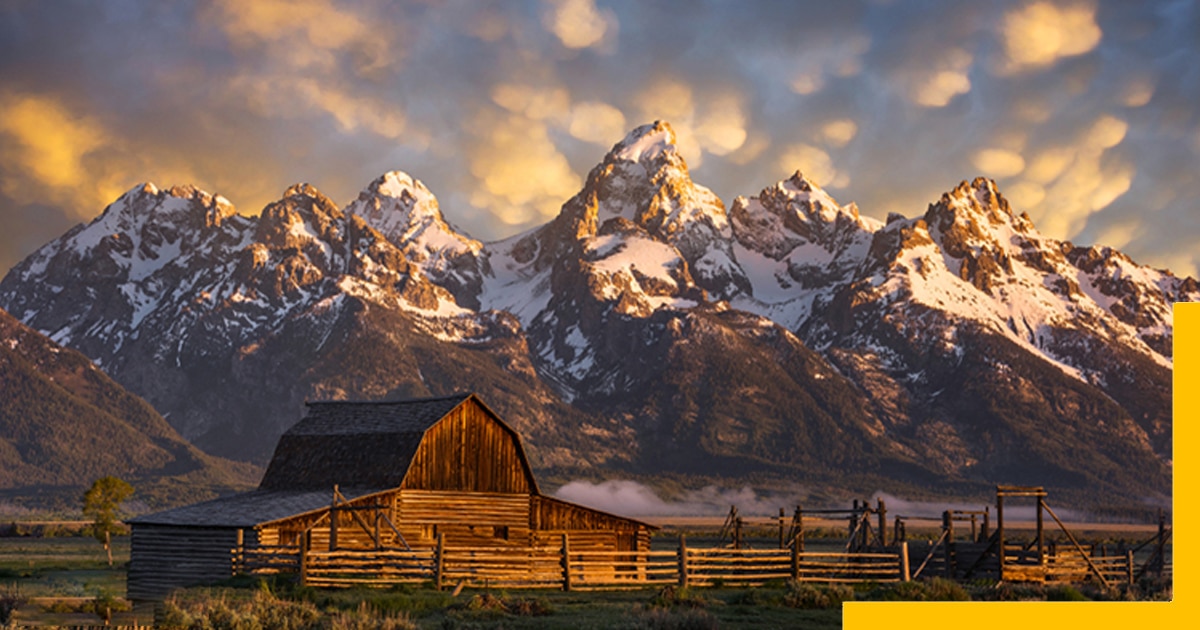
(782, 542)
(239, 558)
(1129, 566)
(683, 567)
(948, 526)
(304, 541)
(905, 574)
(796, 549)
(566, 562)
(882, 517)
(439, 560)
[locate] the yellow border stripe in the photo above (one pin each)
(1091, 615)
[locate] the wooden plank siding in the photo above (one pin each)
(166, 557)
(470, 451)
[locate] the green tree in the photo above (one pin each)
(101, 503)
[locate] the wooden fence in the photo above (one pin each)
(559, 566)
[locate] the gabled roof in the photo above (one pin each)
(361, 444)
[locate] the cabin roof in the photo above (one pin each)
(366, 444)
(250, 508)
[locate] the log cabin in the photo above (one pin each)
(375, 475)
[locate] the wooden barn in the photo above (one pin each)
(375, 475)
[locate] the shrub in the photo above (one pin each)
(672, 596)
(1065, 593)
(10, 600)
(672, 619)
(811, 596)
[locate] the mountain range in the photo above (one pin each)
(648, 330)
(64, 424)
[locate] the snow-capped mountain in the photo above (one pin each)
(644, 327)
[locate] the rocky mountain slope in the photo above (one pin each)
(645, 329)
(64, 424)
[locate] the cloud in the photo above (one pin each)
(1039, 34)
(671, 100)
(841, 58)
(520, 176)
(597, 122)
(814, 163)
(998, 162)
(946, 80)
(1138, 92)
(533, 102)
(578, 23)
(326, 32)
(839, 133)
(722, 128)
(51, 154)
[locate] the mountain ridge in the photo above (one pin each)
(605, 316)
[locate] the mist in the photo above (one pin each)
(630, 498)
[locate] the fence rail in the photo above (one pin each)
(559, 566)
(562, 567)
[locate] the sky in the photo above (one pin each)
(1087, 114)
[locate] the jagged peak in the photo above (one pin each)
(981, 196)
(646, 143)
(396, 184)
(215, 208)
(302, 189)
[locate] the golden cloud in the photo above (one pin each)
(1039, 34)
(521, 175)
(1106, 132)
(1025, 194)
(996, 162)
(1138, 92)
(948, 79)
(578, 23)
(671, 100)
(722, 128)
(814, 163)
(533, 102)
(327, 31)
(597, 122)
(56, 156)
(838, 133)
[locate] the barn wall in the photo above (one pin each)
(469, 451)
(466, 518)
(166, 557)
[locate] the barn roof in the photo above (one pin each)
(250, 508)
(363, 444)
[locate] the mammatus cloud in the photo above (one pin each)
(838, 133)
(815, 163)
(520, 174)
(947, 79)
(1077, 180)
(578, 23)
(597, 122)
(841, 58)
(995, 162)
(305, 34)
(1039, 34)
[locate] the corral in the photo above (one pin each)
(407, 477)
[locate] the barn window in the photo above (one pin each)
(500, 531)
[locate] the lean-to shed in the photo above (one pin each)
(372, 475)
